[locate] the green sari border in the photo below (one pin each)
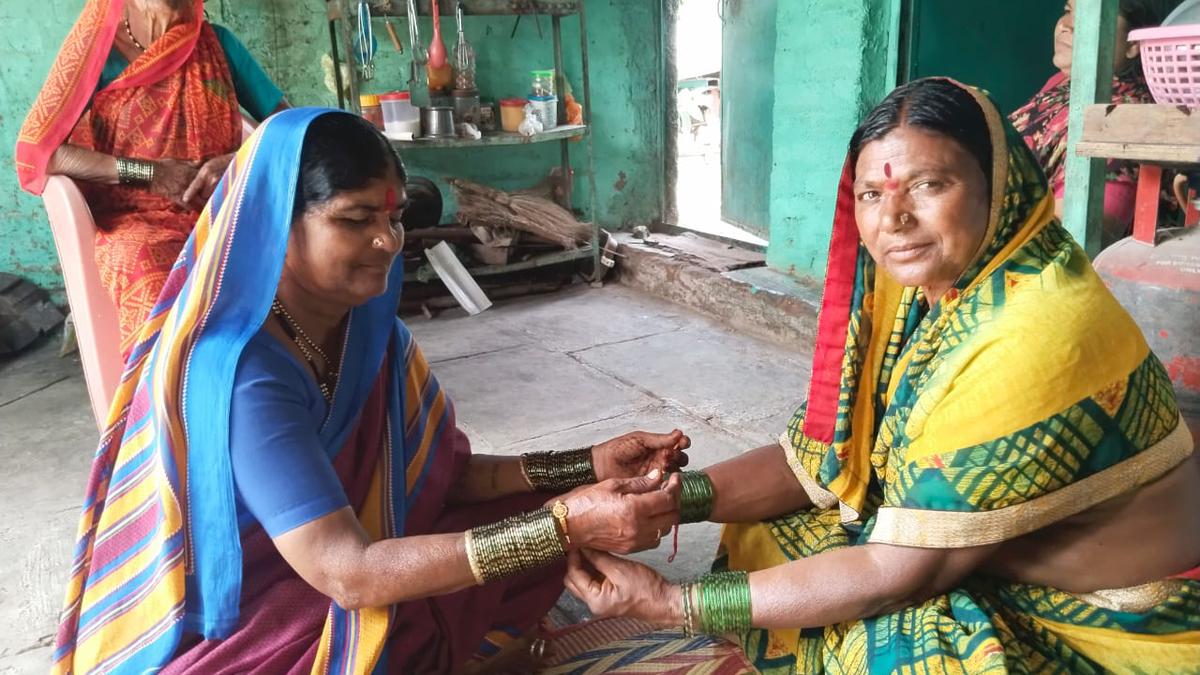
(923, 528)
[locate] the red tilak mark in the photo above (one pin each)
(390, 200)
(887, 169)
(890, 184)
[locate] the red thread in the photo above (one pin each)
(674, 547)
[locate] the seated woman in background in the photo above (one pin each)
(1043, 121)
(287, 486)
(990, 473)
(142, 107)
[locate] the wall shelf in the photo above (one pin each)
(496, 138)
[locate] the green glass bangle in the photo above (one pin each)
(695, 497)
(724, 605)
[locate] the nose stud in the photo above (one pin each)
(377, 242)
(905, 218)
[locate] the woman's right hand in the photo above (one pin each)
(172, 178)
(612, 586)
(623, 515)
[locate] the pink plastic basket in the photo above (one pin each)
(1171, 62)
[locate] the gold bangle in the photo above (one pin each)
(137, 172)
(471, 559)
(558, 471)
(516, 544)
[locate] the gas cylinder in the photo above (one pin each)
(1159, 284)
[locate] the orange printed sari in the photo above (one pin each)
(175, 101)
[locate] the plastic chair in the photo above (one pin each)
(97, 330)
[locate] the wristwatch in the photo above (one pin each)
(560, 513)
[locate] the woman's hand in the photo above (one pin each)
(639, 452)
(612, 586)
(623, 515)
(172, 178)
(205, 181)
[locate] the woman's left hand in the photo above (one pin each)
(197, 194)
(637, 453)
(612, 586)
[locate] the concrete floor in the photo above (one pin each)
(548, 372)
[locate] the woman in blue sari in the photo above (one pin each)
(282, 487)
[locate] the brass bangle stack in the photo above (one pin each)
(137, 172)
(695, 497)
(721, 605)
(558, 471)
(516, 544)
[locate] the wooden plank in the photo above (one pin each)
(1159, 154)
(1141, 124)
(1091, 83)
(711, 254)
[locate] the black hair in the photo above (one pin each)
(1146, 13)
(342, 152)
(424, 204)
(935, 105)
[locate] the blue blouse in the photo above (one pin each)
(281, 473)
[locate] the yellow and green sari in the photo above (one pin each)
(1026, 395)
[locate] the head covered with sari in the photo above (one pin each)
(1023, 395)
(159, 552)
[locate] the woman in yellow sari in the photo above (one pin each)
(990, 473)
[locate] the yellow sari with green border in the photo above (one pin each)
(1026, 395)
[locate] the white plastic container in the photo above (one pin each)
(546, 109)
(401, 121)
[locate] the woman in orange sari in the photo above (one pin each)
(142, 107)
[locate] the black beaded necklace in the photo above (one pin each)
(309, 348)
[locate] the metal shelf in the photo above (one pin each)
(481, 7)
(497, 138)
(341, 17)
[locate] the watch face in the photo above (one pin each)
(559, 510)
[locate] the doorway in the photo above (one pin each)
(702, 199)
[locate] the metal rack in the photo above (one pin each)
(341, 19)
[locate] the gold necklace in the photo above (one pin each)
(129, 32)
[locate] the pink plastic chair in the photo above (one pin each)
(97, 329)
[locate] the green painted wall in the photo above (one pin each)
(1005, 48)
(289, 37)
(831, 57)
(747, 105)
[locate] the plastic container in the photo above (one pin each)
(372, 111)
(546, 109)
(401, 121)
(512, 113)
(1187, 12)
(543, 83)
